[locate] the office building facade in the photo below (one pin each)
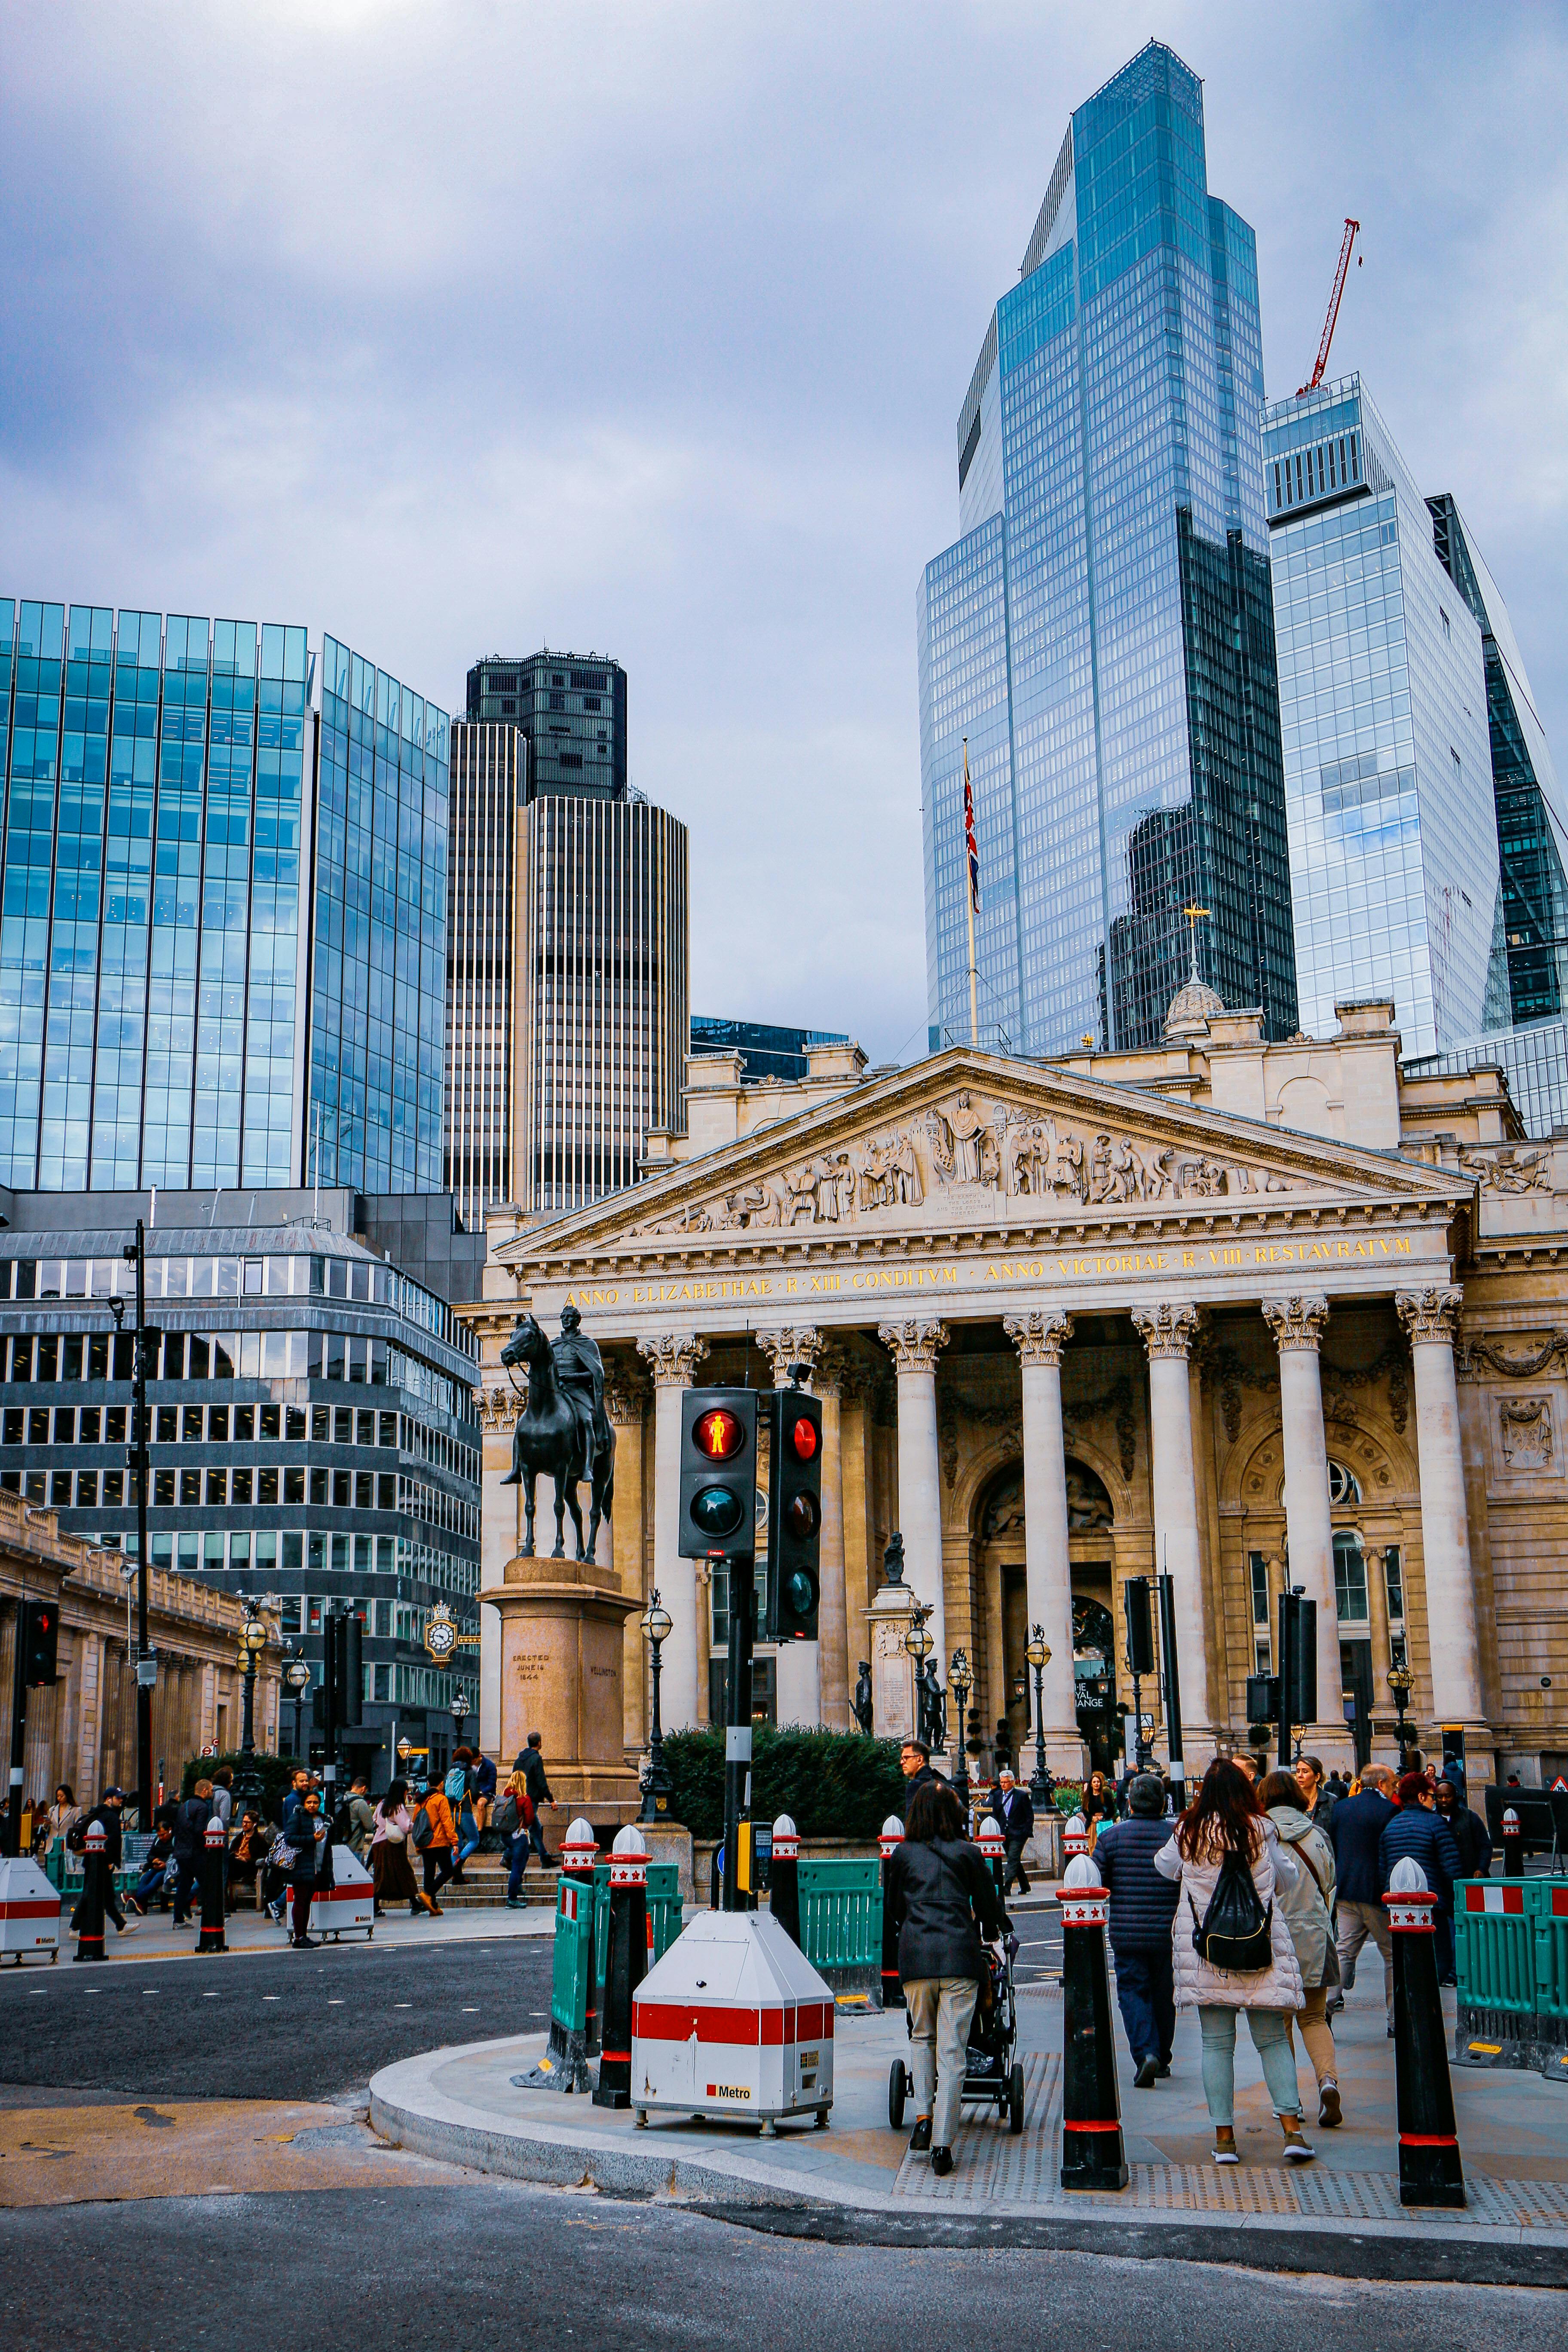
(1100, 642)
(490, 792)
(571, 708)
(1388, 767)
(222, 908)
(766, 1049)
(602, 995)
(313, 1427)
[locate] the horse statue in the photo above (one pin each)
(562, 1430)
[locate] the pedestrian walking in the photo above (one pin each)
(62, 1813)
(1418, 1830)
(360, 1817)
(943, 1900)
(1309, 1909)
(1227, 1859)
(458, 1791)
(1099, 1805)
(309, 1842)
(1142, 1905)
(1316, 1799)
(108, 1811)
(435, 1834)
(190, 1844)
(1013, 1811)
(1355, 1830)
(531, 1764)
(514, 1816)
(391, 1865)
(1465, 1828)
(223, 1795)
(915, 1764)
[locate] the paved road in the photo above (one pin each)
(280, 2025)
(464, 2266)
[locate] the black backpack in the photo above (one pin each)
(1236, 1931)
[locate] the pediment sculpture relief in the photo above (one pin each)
(980, 1147)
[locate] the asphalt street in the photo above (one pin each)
(486, 2267)
(276, 2025)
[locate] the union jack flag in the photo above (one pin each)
(969, 842)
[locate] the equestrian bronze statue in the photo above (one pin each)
(563, 1429)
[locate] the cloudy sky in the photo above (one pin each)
(455, 329)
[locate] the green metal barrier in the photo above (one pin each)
(1511, 1961)
(841, 1923)
(1494, 1957)
(665, 1915)
(573, 1959)
(1550, 1924)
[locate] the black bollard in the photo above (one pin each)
(626, 1964)
(1512, 1845)
(215, 1870)
(87, 1919)
(1093, 2154)
(1429, 2169)
(888, 1843)
(783, 1878)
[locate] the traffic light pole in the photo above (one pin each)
(1287, 1675)
(1172, 1686)
(140, 1448)
(11, 1841)
(738, 1722)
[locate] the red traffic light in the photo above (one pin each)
(803, 1437)
(719, 1434)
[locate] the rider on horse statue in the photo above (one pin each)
(580, 1373)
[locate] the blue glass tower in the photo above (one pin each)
(1102, 633)
(178, 797)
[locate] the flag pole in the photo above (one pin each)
(969, 899)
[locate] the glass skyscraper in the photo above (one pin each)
(1102, 633)
(1388, 761)
(178, 795)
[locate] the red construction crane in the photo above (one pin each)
(1317, 376)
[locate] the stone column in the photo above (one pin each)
(625, 1402)
(1048, 1568)
(914, 1345)
(1297, 1323)
(1430, 1317)
(1168, 1330)
(673, 1357)
(88, 1712)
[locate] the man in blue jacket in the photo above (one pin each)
(1355, 1827)
(1142, 1905)
(1419, 1831)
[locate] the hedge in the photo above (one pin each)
(275, 1772)
(831, 1784)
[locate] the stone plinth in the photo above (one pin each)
(894, 1710)
(669, 1842)
(561, 1652)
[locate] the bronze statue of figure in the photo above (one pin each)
(932, 1701)
(861, 1702)
(563, 1429)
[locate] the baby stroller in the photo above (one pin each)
(993, 2071)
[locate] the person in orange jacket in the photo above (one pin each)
(440, 1849)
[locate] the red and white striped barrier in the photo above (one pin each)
(734, 2021)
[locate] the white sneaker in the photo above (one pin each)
(128, 1927)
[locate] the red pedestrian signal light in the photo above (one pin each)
(719, 1434)
(40, 1632)
(718, 1471)
(804, 1437)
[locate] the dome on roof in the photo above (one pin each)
(1191, 1009)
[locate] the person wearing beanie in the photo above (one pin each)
(1142, 1905)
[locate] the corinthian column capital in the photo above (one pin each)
(1297, 1322)
(1430, 1315)
(1168, 1327)
(914, 1345)
(1040, 1337)
(791, 1343)
(673, 1357)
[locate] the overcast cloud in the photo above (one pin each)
(459, 328)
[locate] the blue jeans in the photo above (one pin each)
(150, 1882)
(1273, 2045)
(518, 1856)
(1146, 1994)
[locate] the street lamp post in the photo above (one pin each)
(136, 1459)
(1039, 1657)
(1401, 1682)
(657, 1624)
(252, 1642)
(460, 1712)
(919, 1644)
(296, 1674)
(960, 1682)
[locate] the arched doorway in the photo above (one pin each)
(1094, 1680)
(1000, 1535)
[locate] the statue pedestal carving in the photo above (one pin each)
(561, 1665)
(894, 1713)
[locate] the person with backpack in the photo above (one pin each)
(1142, 1905)
(458, 1790)
(531, 1764)
(514, 1818)
(190, 1843)
(1309, 1909)
(1231, 1949)
(435, 1835)
(391, 1867)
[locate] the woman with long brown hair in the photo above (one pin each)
(1228, 1862)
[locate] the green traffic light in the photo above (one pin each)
(800, 1593)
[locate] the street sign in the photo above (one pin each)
(208, 1749)
(1560, 1787)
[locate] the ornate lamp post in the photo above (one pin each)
(252, 1642)
(919, 1644)
(296, 1674)
(657, 1624)
(960, 1682)
(1401, 1682)
(460, 1712)
(1039, 1657)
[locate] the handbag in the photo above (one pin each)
(1235, 1932)
(391, 1834)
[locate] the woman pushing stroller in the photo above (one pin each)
(944, 1901)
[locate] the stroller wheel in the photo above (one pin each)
(1015, 2100)
(899, 2088)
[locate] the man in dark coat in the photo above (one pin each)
(531, 1764)
(308, 1848)
(1142, 1905)
(108, 1811)
(1013, 1810)
(1355, 1827)
(190, 1844)
(915, 1764)
(1467, 1829)
(1417, 1830)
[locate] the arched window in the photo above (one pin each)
(1344, 1487)
(1349, 1576)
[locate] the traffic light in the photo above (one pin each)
(1262, 1698)
(1298, 1657)
(40, 1644)
(1140, 1626)
(718, 1471)
(794, 1516)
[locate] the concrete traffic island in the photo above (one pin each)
(857, 2183)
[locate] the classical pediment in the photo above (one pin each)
(967, 1142)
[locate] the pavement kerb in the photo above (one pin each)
(408, 2109)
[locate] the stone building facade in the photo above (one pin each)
(1223, 1308)
(83, 1731)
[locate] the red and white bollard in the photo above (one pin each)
(1512, 1844)
(994, 1850)
(1429, 2169)
(87, 1918)
(1076, 1837)
(1094, 2154)
(784, 1877)
(890, 1839)
(215, 1870)
(626, 1964)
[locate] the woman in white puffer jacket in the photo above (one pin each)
(1224, 1818)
